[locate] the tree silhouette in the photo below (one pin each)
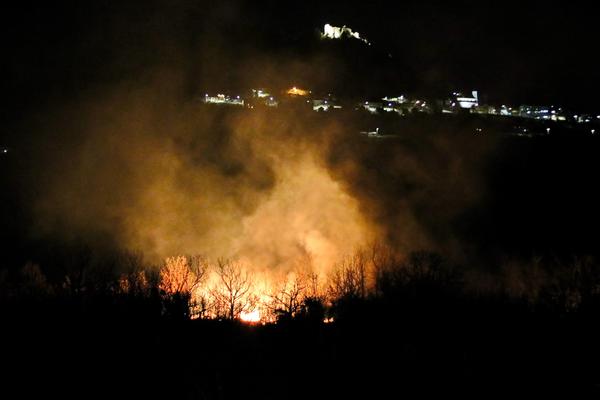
(33, 281)
(575, 285)
(349, 278)
(136, 279)
(179, 279)
(384, 261)
(232, 295)
(347, 287)
(182, 274)
(287, 299)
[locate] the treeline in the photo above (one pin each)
(377, 280)
(375, 324)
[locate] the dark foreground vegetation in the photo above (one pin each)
(414, 326)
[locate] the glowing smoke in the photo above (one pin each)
(169, 180)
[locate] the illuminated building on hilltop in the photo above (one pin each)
(335, 32)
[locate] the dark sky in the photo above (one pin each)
(68, 61)
(533, 52)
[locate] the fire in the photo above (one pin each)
(250, 317)
(297, 92)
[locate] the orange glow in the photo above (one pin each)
(250, 317)
(297, 92)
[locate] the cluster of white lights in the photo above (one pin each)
(401, 99)
(223, 99)
(335, 32)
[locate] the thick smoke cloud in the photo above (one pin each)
(165, 176)
(130, 158)
(150, 170)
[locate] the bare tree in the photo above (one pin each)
(33, 280)
(576, 284)
(425, 267)
(182, 274)
(179, 281)
(134, 280)
(313, 286)
(349, 279)
(232, 295)
(287, 299)
(384, 263)
(386, 268)
(134, 283)
(78, 265)
(305, 272)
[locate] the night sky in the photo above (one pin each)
(538, 52)
(155, 245)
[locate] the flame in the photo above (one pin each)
(297, 91)
(250, 317)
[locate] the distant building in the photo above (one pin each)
(334, 32)
(224, 99)
(485, 109)
(508, 111)
(263, 97)
(420, 106)
(325, 105)
(374, 133)
(390, 107)
(260, 93)
(394, 104)
(371, 106)
(583, 118)
(398, 100)
(465, 101)
(542, 113)
(459, 101)
(271, 102)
